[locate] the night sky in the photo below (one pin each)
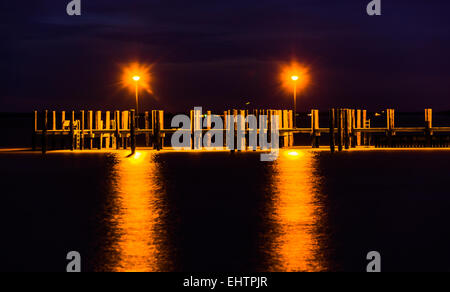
(222, 54)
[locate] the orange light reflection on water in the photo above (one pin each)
(136, 215)
(296, 212)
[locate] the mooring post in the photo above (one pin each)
(34, 134)
(83, 126)
(429, 126)
(53, 136)
(315, 128)
(72, 131)
(390, 114)
(156, 130)
(161, 129)
(364, 125)
(91, 134)
(147, 135)
(346, 129)
(44, 131)
(358, 126)
(208, 135)
(332, 129)
(340, 123)
(116, 141)
(353, 127)
(225, 127)
(125, 126)
(240, 133)
(99, 127)
(63, 137)
(108, 127)
(63, 119)
(133, 132)
(291, 126)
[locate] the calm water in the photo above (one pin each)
(308, 211)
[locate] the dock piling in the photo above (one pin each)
(133, 132)
(44, 131)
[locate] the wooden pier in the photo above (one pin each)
(347, 128)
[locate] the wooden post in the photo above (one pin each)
(108, 127)
(352, 128)
(240, 124)
(82, 130)
(54, 129)
(125, 126)
(208, 127)
(35, 128)
(117, 133)
(63, 119)
(72, 131)
(358, 126)
(364, 125)
(291, 126)
(63, 138)
(226, 128)
(133, 132)
(44, 131)
(340, 122)
(147, 135)
(99, 126)
(332, 130)
(158, 125)
(346, 128)
(269, 128)
(315, 128)
(161, 129)
(390, 114)
(91, 134)
(429, 127)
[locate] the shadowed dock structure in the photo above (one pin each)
(346, 128)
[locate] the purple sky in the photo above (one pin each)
(221, 54)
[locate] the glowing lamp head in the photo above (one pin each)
(136, 78)
(294, 78)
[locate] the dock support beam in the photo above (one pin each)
(44, 131)
(34, 137)
(117, 129)
(147, 135)
(390, 113)
(91, 134)
(340, 124)
(133, 132)
(332, 130)
(358, 126)
(315, 128)
(158, 125)
(429, 127)
(83, 126)
(72, 131)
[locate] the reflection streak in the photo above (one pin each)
(295, 214)
(136, 214)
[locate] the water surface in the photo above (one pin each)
(307, 211)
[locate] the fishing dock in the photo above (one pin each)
(345, 129)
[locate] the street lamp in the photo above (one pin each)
(295, 79)
(136, 79)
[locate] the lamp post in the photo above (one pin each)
(136, 80)
(295, 79)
